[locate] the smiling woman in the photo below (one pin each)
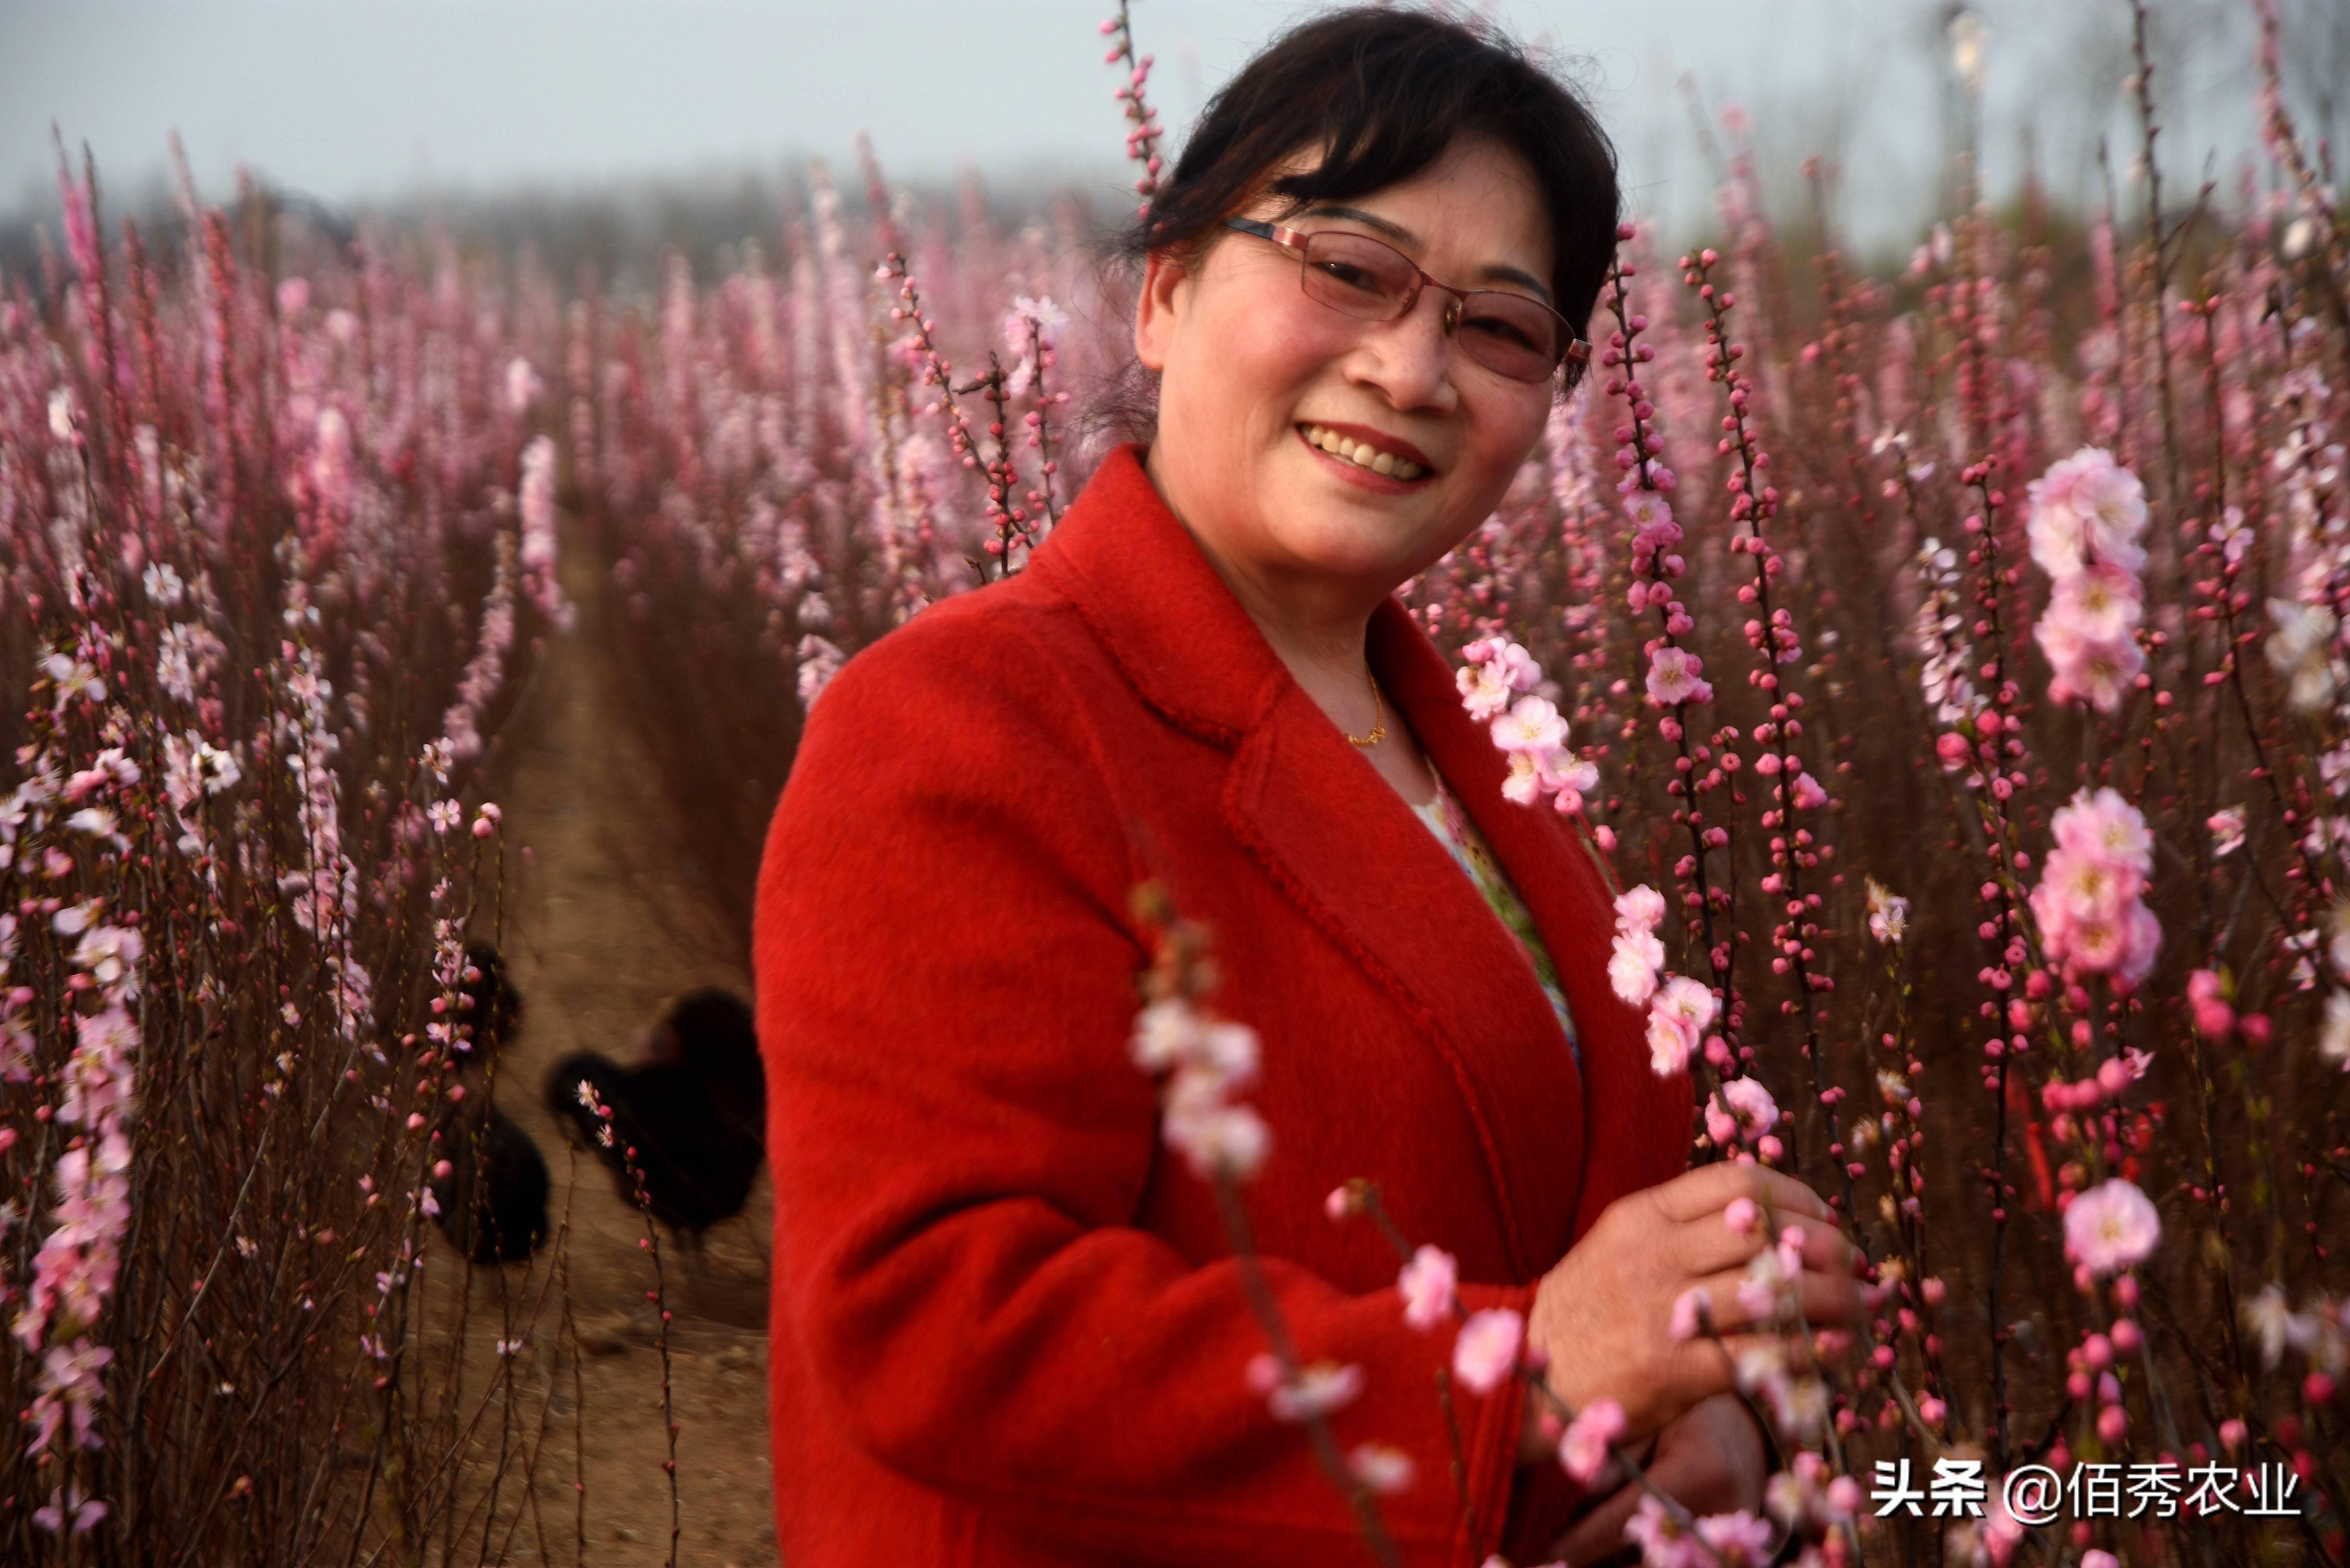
(1005, 1329)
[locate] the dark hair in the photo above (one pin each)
(1388, 89)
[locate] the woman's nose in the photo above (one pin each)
(1413, 353)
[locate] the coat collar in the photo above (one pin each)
(1346, 847)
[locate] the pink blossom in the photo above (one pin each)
(2108, 826)
(2122, 942)
(1647, 511)
(537, 554)
(1639, 908)
(1172, 1034)
(1532, 725)
(1484, 689)
(1523, 785)
(2214, 1018)
(1632, 968)
(2227, 830)
(82, 241)
(1429, 1283)
(85, 1512)
(2305, 648)
(2103, 603)
(485, 670)
(1487, 1350)
(1583, 1447)
(1497, 668)
(1674, 678)
(330, 466)
(1807, 793)
(1546, 769)
(1752, 1114)
(2086, 508)
(1384, 1470)
(1679, 1016)
(1889, 915)
(1739, 1540)
(2096, 672)
(1219, 1139)
(2111, 1227)
(819, 661)
(1692, 1311)
(2087, 900)
(522, 386)
(2083, 887)
(1315, 1392)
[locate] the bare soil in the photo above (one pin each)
(601, 926)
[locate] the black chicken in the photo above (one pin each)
(496, 1165)
(694, 1110)
(492, 1197)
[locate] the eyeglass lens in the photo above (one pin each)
(1507, 333)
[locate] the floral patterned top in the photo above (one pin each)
(1450, 823)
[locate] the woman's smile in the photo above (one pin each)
(1362, 463)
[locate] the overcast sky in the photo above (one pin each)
(358, 99)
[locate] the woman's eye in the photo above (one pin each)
(1508, 332)
(1352, 277)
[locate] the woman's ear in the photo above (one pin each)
(1165, 287)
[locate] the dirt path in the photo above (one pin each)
(600, 929)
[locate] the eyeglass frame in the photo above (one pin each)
(1577, 351)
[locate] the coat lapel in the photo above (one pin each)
(1633, 1120)
(1341, 844)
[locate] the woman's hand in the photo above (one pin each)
(1603, 1316)
(1710, 1459)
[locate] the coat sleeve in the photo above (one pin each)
(945, 973)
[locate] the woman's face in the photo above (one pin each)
(1250, 363)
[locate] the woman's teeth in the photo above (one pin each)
(1362, 454)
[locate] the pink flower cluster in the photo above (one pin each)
(1531, 731)
(1681, 1010)
(1143, 129)
(485, 671)
(1675, 674)
(1583, 1449)
(74, 1272)
(537, 554)
(1430, 1285)
(2111, 1227)
(2087, 512)
(1311, 1393)
(1737, 1539)
(2088, 900)
(1751, 1115)
(1487, 1350)
(1206, 1061)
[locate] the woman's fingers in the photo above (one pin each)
(1709, 1187)
(1708, 1244)
(1827, 1298)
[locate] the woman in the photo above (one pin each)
(1006, 1327)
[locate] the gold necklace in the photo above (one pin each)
(1378, 731)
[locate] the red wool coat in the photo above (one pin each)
(1007, 1328)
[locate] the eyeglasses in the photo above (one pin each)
(1511, 334)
